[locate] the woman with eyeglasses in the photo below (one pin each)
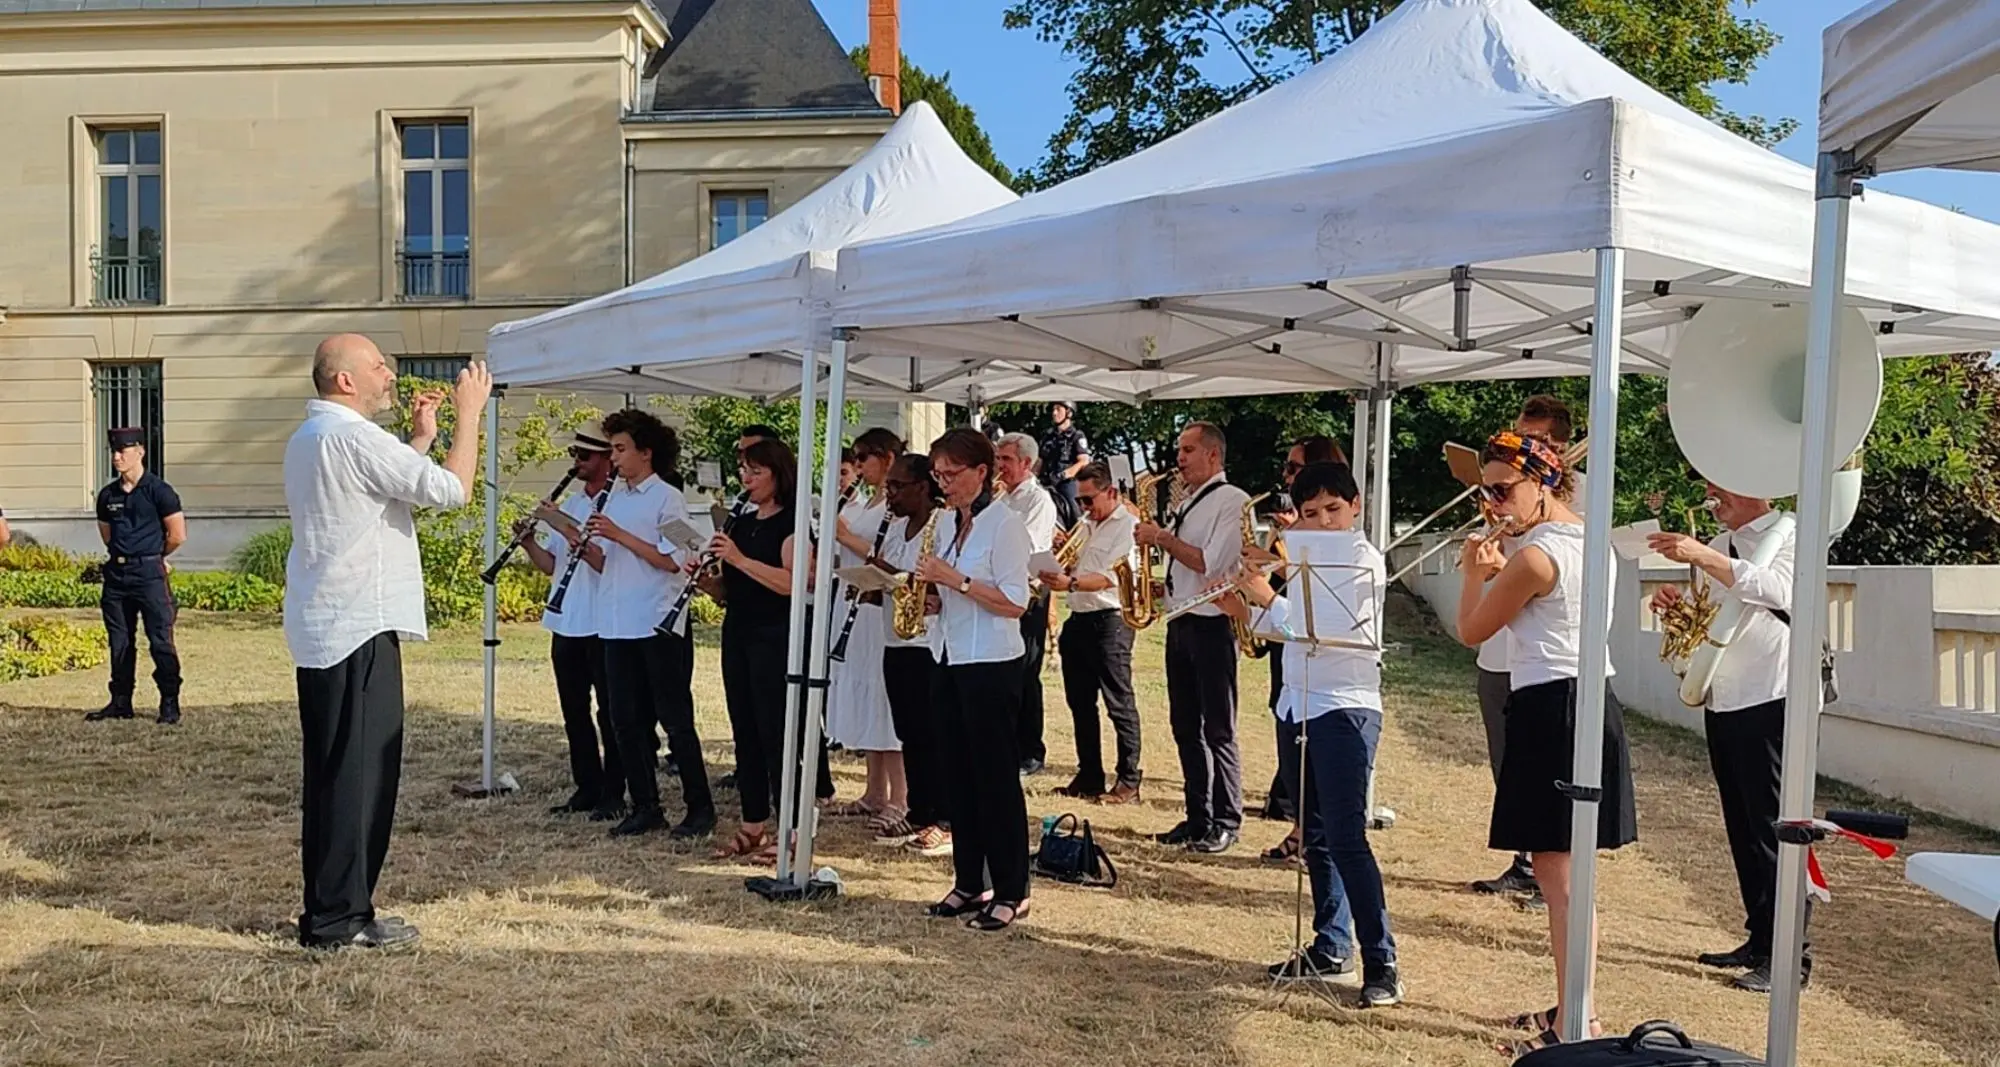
(979, 573)
(857, 710)
(1536, 595)
(757, 556)
(908, 669)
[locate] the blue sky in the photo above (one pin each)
(1016, 82)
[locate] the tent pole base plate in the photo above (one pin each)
(502, 786)
(773, 890)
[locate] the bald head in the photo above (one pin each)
(349, 369)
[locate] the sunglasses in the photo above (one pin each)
(1086, 500)
(1498, 494)
(1292, 468)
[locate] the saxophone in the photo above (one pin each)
(1245, 643)
(1136, 602)
(906, 601)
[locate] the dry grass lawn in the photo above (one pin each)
(147, 878)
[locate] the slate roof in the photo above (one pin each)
(751, 55)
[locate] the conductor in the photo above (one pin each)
(139, 517)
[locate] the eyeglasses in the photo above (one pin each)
(1293, 467)
(897, 485)
(947, 475)
(1498, 494)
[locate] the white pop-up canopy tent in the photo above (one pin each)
(1904, 84)
(1433, 202)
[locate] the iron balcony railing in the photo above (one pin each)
(433, 275)
(124, 279)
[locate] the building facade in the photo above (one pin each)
(194, 193)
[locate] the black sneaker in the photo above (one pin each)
(607, 810)
(1312, 965)
(170, 711)
(1758, 978)
(387, 937)
(113, 710)
(641, 821)
(1381, 986)
(1519, 877)
(1736, 959)
(1217, 841)
(1031, 767)
(696, 825)
(1181, 834)
(577, 802)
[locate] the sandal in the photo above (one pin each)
(885, 818)
(956, 904)
(1288, 849)
(1535, 1021)
(895, 833)
(989, 922)
(744, 844)
(1547, 1038)
(849, 810)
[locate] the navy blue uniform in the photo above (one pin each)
(135, 586)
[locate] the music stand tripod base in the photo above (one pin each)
(772, 889)
(502, 786)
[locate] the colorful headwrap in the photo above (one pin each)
(1536, 459)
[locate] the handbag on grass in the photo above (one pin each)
(1072, 855)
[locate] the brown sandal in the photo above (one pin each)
(744, 844)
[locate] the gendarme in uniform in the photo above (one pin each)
(139, 518)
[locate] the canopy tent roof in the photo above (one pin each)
(1914, 83)
(1419, 206)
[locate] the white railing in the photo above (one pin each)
(1968, 659)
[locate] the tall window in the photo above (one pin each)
(731, 215)
(432, 368)
(128, 395)
(125, 264)
(435, 256)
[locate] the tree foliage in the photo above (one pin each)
(935, 90)
(711, 425)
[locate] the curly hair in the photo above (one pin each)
(648, 435)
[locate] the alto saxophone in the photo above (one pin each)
(906, 601)
(1245, 643)
(1136, 602)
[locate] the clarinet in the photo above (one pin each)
(839, 653)
(555, 603)
(674, 613)
(492, 574)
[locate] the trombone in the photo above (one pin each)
(1572, 454)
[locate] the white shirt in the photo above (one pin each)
(1319, 679)
(1037, 511)
(1214, 525)
(1752, 672)
(578, 618)
(354, 571)
(1495, 651)
(864, 519)
(899, 551)
(1546, 630)
(1105, 544)
(633, 596)
(996, 552)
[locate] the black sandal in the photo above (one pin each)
(1283, 851)
(1535, 1021)
(965, 905)
(987, 921)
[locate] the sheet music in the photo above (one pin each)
(1043, 561)
(686, 539)
(1334, 589)
(866, 578)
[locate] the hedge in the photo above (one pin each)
(31, 647)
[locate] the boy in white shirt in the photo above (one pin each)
(1333, 696)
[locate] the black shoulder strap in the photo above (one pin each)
(1187, 508)
(1784, 617)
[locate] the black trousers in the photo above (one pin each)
(1746, 751)
(1281, 803)
(351, 732)
(1201, 705)
(976, 705)
(1035, 634)
(136, 591)
(650, 681)
(753, 684)
(579, 670)
(1097, 658)
(907, 677)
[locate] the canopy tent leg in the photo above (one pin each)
(1358, 461)
(1803, 696)
(795, 651)
(1587, 774)
(490, 617)
(1381, 398)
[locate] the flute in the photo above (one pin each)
(492, 574)
(706, 560)
(576, 555)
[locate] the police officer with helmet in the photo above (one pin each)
(139, 517)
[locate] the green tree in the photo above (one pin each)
(711, 425)
(935, 90)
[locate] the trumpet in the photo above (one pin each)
(906, 601)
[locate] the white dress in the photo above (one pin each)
(857, 709)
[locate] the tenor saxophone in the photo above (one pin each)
(906, 601)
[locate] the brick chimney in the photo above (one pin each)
(885, 53)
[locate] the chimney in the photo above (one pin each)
(885, 53)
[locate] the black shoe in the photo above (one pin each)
(671, 769)
(376, 935)
(696, 825)
(607, 810)
(641, 821)
(1519, 877)
(1217, 841)
(727, 781)
(578, 801)
(1381, 986)
(113, 710)
(1758, 978)
(1030, 767)
(1312, 965)
(1078, 789)
(1181, 834)
(170, 711)
(1736, 959)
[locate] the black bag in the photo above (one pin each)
(1074, 856)
(1655, 1044)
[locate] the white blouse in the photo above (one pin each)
(1545, 632)
(996, 552)
(899, 551)
(633, 595)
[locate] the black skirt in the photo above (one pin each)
(1529, 813)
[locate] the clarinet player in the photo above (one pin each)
(650, 674)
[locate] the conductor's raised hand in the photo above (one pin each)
(469, 393)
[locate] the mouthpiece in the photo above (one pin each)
(1711, 504)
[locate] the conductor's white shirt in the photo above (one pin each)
(354, 571)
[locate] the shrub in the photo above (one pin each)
(225, 591)
(264, 554)
(705, 611)
(45, 589)
(28, 555)
(32, 647)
